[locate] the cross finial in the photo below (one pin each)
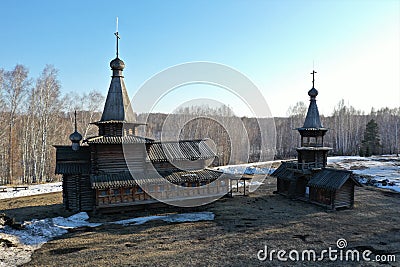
(313, 79)
(117, 36)
(75, 121)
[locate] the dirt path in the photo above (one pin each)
(242, 227)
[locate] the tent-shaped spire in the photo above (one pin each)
(118, 118)
(117, 106)
(312, 119)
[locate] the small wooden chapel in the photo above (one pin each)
(308, 178)
(117, 168)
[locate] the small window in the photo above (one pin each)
(139, 190)
(194, 184)
(203, 183)
(183, 184)
(319, 140)
(222, 183)
(103, 193)
(127, 191)
(161, 188)
(116, 192)
(304, 141)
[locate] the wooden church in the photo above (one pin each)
(308, 178)
(118, 168)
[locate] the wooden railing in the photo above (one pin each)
(304, 166)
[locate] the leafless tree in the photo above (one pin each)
(15, 85)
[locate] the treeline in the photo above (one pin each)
(346, 130)
(35, 116)
(347, 127)
(228, 133)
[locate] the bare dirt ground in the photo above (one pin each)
(242, 227)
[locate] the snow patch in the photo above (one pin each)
(183, 217)
(36, 189)
(380, 170)
(249, 168)
(74, 221)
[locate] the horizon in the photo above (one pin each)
(353, 46)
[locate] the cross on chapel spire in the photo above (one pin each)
(313, 79)
(117, 36)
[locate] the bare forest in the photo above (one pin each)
(35, 115)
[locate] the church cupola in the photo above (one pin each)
(312, 150)
(118, 118)
(117, 66)
(117, 106)
(75, 137)
(312, 120)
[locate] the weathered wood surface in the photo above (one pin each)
(344, 197)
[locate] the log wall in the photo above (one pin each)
(344, 197)
(77, 193)
(136, 196)
(111, 158)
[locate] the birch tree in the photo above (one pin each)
(47, 91)
(15, 86)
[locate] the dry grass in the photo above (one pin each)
(243, 225)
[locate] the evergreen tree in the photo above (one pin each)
(371, 144)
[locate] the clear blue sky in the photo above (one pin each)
(354, 44)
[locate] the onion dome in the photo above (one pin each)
(117, 64)
(313, 92)
(75, 137)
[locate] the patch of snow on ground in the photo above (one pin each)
(20, 244)
(34, 235)
(183, 217)
(190, 217)
(74, 221)
(384, 168)
(338, 159)
(14, 254)
(376, 169)
(36, 189)
(251, 183)
(248, 168)
(258, 169)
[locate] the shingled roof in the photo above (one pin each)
(312, 120)
(327, 178)
(129, 139)
(123, 179)
(71, 161)
(181, 150)
(331, 179)
(118, 106)
(126, 179)
(72, 168)
(284, 171)
(193, 176)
